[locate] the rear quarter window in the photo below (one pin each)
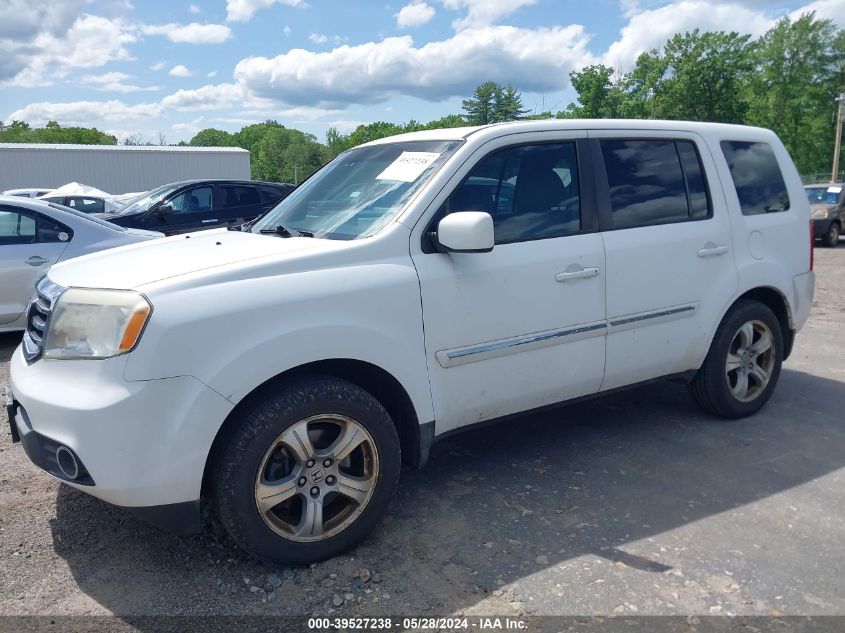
(757, 177)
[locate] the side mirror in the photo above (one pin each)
(164, 209)
(465, 232)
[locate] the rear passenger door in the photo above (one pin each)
(237, 203)
(670, 266)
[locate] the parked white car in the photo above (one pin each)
(85, 199)
(27, 193)
(34, 235)
(415, 286)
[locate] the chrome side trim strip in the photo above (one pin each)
(492, 349)
(653, 317)
(483, 351)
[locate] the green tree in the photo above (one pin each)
(492, 103)
(799, 73)
(21, 132)
(599, 96)
(211, 137)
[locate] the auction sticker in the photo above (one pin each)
(409, 166)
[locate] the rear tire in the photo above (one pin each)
(831, 238)
(307, 472)
(744, 362)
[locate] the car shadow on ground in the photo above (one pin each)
(493, 506)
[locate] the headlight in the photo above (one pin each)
(820, 214)
(95, 323)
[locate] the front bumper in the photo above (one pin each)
(143, 443)
(821, 227)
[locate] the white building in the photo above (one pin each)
(116, 168)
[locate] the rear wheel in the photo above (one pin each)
(308, 471)
(744, 362)
(831, 238)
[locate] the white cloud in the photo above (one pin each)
(89, 42)
(483, 12)
(84, 112)
(193, 33)
(650, 29)
(827, 9)
(318, 38)
(211, 73)
(243, 10)
(194, 9)
(158, 66)
(414, 14)
(115, 82)
(287, 30)
(180, 70)
(211, 97)
(534, 59)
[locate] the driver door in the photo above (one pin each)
(192, 210)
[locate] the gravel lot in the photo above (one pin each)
(632, 504)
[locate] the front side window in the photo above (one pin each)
(654, 182)
(147, 200)
(193, 200)
(360, 191)
(757, 177)
(531, 192)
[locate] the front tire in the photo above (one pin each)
(306, 472)
(744, 362)
(831, 238)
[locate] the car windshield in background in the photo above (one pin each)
(823, 195)
(87, 216)
(359, 192)
(146, 200)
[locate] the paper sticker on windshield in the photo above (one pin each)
(834, 189)
(409, 166)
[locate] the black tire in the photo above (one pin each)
(237, 463)
(831, 238)
(711, 388)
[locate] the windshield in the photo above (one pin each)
(823, 195)
(360, 191)
(90, 218)
(146, 200)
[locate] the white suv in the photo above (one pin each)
(414, 286)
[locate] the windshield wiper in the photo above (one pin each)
(285, 232)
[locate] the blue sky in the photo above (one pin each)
(156, 67)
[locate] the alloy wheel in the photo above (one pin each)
(316, 478)
(750, 361)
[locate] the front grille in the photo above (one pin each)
(38, 318)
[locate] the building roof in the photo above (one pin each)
(123, 148)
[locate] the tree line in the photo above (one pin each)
(786, 80)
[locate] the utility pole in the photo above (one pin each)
(837, 146)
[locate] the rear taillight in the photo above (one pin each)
(812, 243)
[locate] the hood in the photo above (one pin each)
(154, 260)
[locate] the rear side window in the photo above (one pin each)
(654, 182)
(757, 177)
(237, 196)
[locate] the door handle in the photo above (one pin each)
(36, 260)
(583, 273)
(210, 220)
(712, 250)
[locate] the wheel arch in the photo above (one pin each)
(381, 384)
(778, 303)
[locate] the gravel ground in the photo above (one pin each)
(632, 504)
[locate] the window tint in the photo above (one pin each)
(530, 191)
(646, 182)
(237, 196)
(757, 177)
(699, 201)
(16, 227)
(86, 205)
(271, 194)
(192, 201)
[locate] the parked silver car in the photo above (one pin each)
(34, 235)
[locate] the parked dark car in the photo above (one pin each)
(194, 205)
(827, 204)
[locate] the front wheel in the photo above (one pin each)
(743, 364)
(307, 472)
(831, 238)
